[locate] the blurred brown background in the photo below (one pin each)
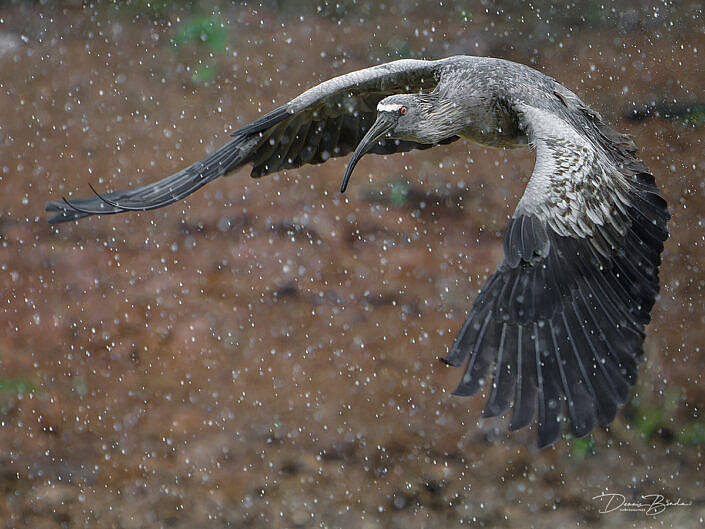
(263, 354)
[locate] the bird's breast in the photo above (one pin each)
(494, 126)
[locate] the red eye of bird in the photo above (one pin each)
(402, 110)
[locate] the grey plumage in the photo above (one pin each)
(560, 324)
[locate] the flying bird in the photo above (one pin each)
(559, 325)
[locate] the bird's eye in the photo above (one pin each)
(402, 111)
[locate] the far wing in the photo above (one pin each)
(324, 122)
(562, 319)
(330, 119)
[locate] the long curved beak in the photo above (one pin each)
(380, 128)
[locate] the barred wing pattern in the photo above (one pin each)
(560, 324)
(326, 121)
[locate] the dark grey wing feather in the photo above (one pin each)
(155, 195)
(560, 324)
(324, 122)
(526, 385)
(504, 378)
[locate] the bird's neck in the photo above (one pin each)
(442, 119)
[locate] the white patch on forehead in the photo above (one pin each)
(382, 107)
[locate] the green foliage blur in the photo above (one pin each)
(10, 388)
(653, 420)
(202, 30)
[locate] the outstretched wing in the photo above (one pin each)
(324, 122)
(560, 324)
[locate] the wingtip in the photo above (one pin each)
(494, 409)
(60, 214)
(447, 361)
(515, 425)
(54, 205)
(65, 216)
(461, 391)
(545, 443)
(547, 435)
(581, 430)
(61, 217)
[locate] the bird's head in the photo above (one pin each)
(397, 117)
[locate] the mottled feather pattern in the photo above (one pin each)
(574, 187)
